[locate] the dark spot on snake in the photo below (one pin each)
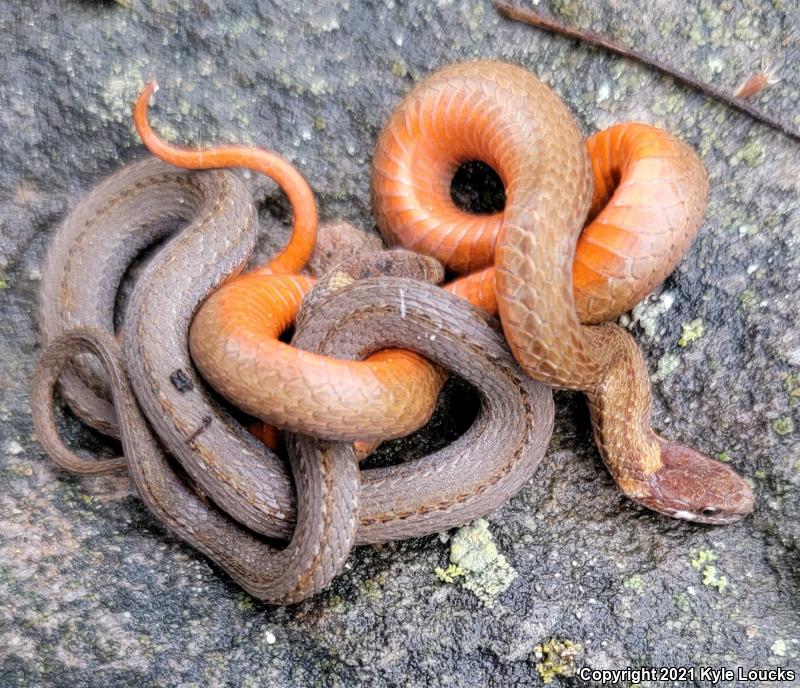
(203, 425)
(181, 381)
(385, 265)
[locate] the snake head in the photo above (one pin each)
(696, 488)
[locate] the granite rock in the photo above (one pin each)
(93, 592)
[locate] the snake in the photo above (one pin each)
(226, 466)
(644, 193)
(545, 167)
(326, 476)
(554, 281)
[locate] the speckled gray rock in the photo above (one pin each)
(94, 593)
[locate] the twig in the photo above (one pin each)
(511, 11)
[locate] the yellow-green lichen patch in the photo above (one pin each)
(476, 22)
(666, 24)
(318, 86)
(556, 658)
(711, 578)
(21, 469)
(748, 299)
(667, 365)
(477, 564)
(336, 602)
(691, 331)
(119, 89)
(634, 583)
(449, 574)
(626, 80)
(752, 154)
(783, 426)
(673, 103)
(724, 457)
(647, 312)
(682, 601)
(701, 557)
(574, 12)
(744, 29)
(373, 587)
(400, 68)
(702, 560)
(791, 383)
(3, 283)
(244, 602)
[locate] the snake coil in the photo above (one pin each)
(142, 385)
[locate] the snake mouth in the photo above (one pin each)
(738, 506)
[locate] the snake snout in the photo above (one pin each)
(693, 487)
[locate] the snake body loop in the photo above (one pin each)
(649, 200)
(326, 476)
(234, 341)
(238, 472)
(84, 266)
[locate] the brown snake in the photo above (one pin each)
(326, 476)
(548, 194)
(654, 192)
(240, 475)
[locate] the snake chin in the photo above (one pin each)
(695, 488)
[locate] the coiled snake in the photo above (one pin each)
(489, 111)
(239, 474)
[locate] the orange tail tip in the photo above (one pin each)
(304, 231)
(141, 106)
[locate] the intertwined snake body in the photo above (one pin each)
(240, 475)
(239, 489)
(649, 200)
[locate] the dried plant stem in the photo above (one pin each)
(511, 11)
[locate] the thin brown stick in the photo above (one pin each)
(511, 11)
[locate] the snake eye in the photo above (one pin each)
(709, 511)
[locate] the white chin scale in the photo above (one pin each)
(685, 515)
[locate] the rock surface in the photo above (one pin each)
(94, 593)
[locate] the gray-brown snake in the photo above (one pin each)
(548, 196)
(231, 467)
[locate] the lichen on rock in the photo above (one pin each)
(556, 658)
(477, 564)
